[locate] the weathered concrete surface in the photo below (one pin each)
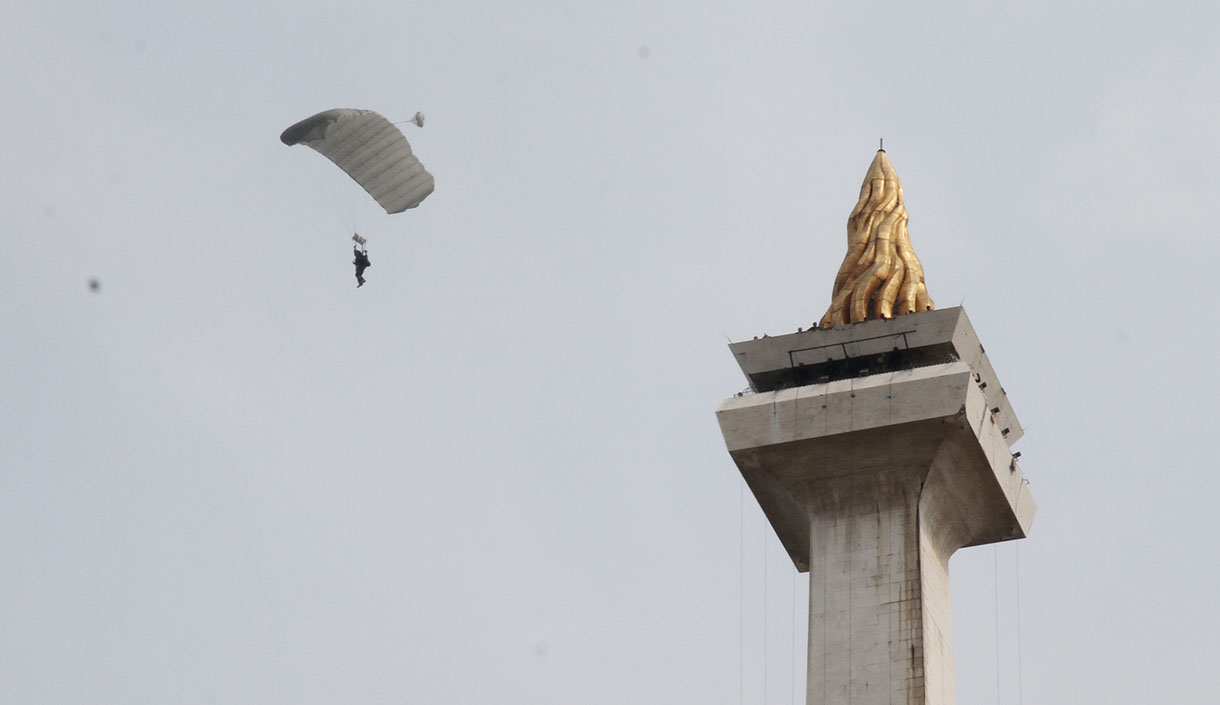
(788, 442)
(871, 484)
(931, 337)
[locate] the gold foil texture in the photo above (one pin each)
(880, 275)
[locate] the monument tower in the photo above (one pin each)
(877, 444)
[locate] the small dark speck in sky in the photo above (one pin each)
(95, 286)
(541, 649)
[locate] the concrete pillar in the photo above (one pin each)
(876, 451)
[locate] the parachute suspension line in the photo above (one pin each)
(355, 217)
(345, 196)
(330, 192)
(378, 223)
(343, 204)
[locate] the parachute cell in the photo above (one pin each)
(371, 150)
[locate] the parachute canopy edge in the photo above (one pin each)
(312, 128)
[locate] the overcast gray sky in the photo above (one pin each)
(493, 474)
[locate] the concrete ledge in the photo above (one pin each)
(865, 349)
(818, 410)
(789, 444)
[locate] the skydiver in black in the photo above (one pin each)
(361, 262)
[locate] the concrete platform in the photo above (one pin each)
(872, 347)
(786, 442)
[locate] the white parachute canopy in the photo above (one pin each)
(371, 150)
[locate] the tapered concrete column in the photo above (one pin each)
(873, 475)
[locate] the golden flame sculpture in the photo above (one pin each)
(881, 269)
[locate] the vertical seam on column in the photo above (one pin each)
(775, 429)
(826, 589)
(851, 426)
(825, 452)
(889, 615)
(796, 413)
(923, 658)
(851, 604)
